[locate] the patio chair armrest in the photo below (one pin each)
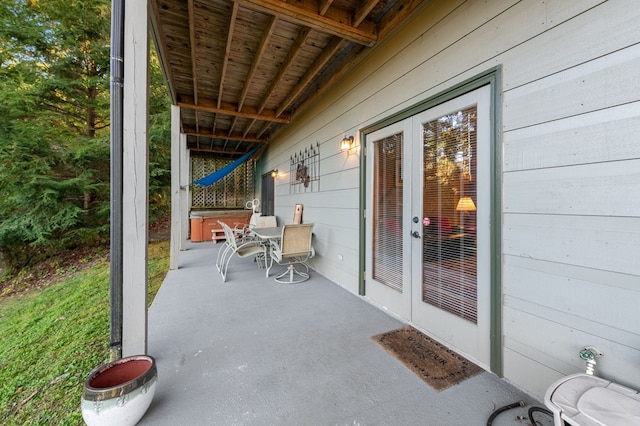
(274, 249)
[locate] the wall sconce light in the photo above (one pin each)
(274, 173)
(346, 144)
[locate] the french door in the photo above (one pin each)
(428, 225)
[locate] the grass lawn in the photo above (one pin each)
(52, 338)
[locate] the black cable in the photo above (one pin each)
(503, 409)
(540, 410)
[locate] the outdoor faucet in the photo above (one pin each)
(589, 354)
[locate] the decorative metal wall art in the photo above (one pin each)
(304, 170)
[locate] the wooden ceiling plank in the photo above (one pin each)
(232, 23)
(216, 151)
(291, 56)
(309, 17)
(237, 136)
(249, 126)
(194, 68)
(398, 13)
(192, 39)
(271, 25)
(324, 6)
(264, 129)
(312, 72)
(159, 38)
(234, 112)
(348, 64)
(233, 124)
(362, 13)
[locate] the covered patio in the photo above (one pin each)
(252, 351)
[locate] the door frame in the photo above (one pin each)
(492, 77)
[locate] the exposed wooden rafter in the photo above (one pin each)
(256, 60)
(225, 60)
(236, 136)
(305, 13)
(312, 72)
(242, 69)
(194, 68)
(232, 110)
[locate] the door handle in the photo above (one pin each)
(416, 234)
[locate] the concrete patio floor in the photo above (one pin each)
(254, 352)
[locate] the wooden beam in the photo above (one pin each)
(271, 26)
(394, 17)
(225, 60)
(264, 129)
(161, 48)
(312, 72)
(215, 151)
(324, 6)
(307, 15)
(297, 47)
(192, 41)
(349, 62)
(237, 136)
(363, 11)
(229, 109)
(398, 13)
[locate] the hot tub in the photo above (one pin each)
(205, 226)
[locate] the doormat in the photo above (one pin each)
(433, 362)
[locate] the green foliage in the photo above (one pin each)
(54, 135)
(53, 338)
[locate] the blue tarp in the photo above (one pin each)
(219, 174)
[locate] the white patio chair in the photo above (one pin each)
(293, 248)
(242, 230)
(265, 222)
(240, 249)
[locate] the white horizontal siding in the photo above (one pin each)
(590, 242)
(553, 342)
(572, 190)
(612, 132)
(571, 199)
(571, 160)
(576, 35)
(605, 82)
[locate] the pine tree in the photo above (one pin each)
(54, 131)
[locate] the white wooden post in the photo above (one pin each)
(176, 212)
(185, 194)
(135, 179)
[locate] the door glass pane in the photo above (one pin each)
(449, 213)
(387, 211)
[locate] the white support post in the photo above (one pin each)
(135, 179)
(176, 212)
(185, 195)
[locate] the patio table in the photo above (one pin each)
(267, 235)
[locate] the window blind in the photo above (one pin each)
(387, 214)
(449, 220)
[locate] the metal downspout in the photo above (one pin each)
(117, 71)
